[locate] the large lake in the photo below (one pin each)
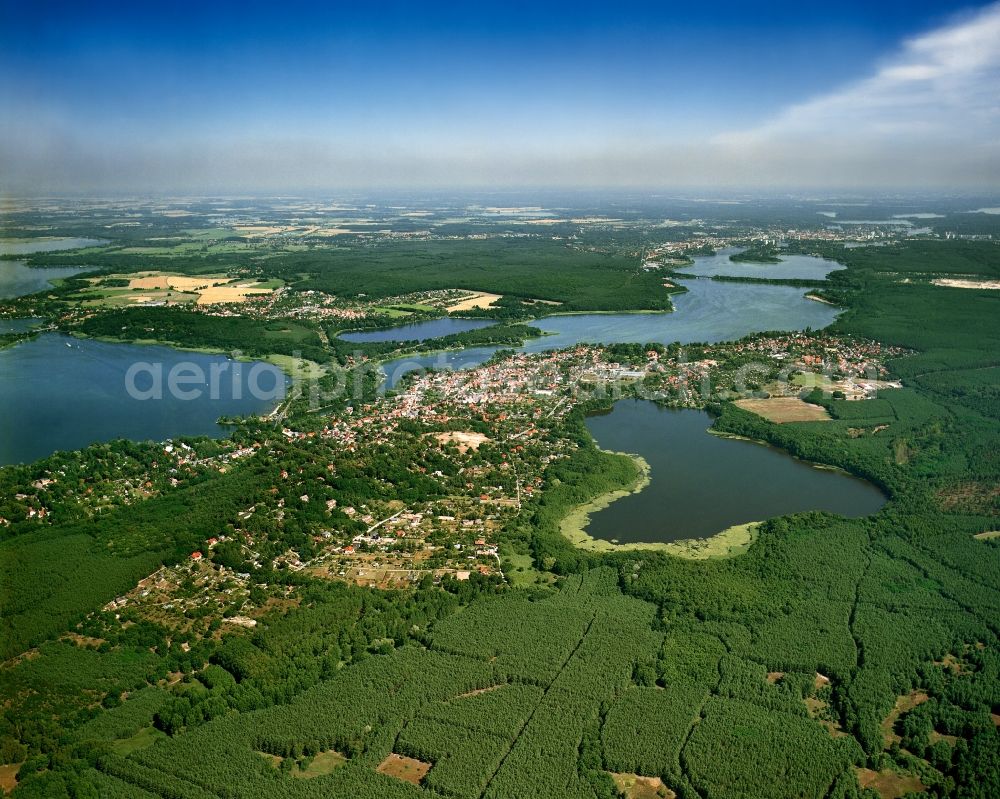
(792, 267)
(709, 311)
(45, 244)
(17, 279)
(701, 484)
(57, 392)
(418, 331)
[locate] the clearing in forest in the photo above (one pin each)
(404, 768)
(903, 705)
(889, 784)
(635, 786)
(955, 283)
(463, 439)
(321, 764)
(8, 777)
(784, 409)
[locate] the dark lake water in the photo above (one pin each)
(18, 325)
(54, 396)
(418, 331)
(16, 279)
(798, 267)
(701, 484)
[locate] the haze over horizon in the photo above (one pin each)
(253, 98)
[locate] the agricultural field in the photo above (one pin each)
(164, 288)
(784, 409)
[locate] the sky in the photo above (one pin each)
(292, 96)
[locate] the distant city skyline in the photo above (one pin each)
(267, 98)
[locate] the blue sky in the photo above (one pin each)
(255, 96)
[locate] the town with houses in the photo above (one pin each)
(479, 441)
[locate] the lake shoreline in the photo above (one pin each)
(726, 543)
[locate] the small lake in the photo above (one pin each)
(17, 279)
(701, 484)
(792, 267)
(46, 244)
(60, 393)
(418, 331)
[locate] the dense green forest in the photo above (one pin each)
(529, 269)
(831, 647)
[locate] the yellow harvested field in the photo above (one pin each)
(165, 280)
(228, 294)
(955, 283)
(481, 299)
(206, 289)
(784, 409)
(150, 282)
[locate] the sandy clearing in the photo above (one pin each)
(987, 535)
(464, 440)
(888, 784)
(404, 768)
(8, 777)
(479, 691)
(784, 409)
(635, 786)
(481, 299)
(904, 704)
(956, 283)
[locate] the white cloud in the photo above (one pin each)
(932, 108)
